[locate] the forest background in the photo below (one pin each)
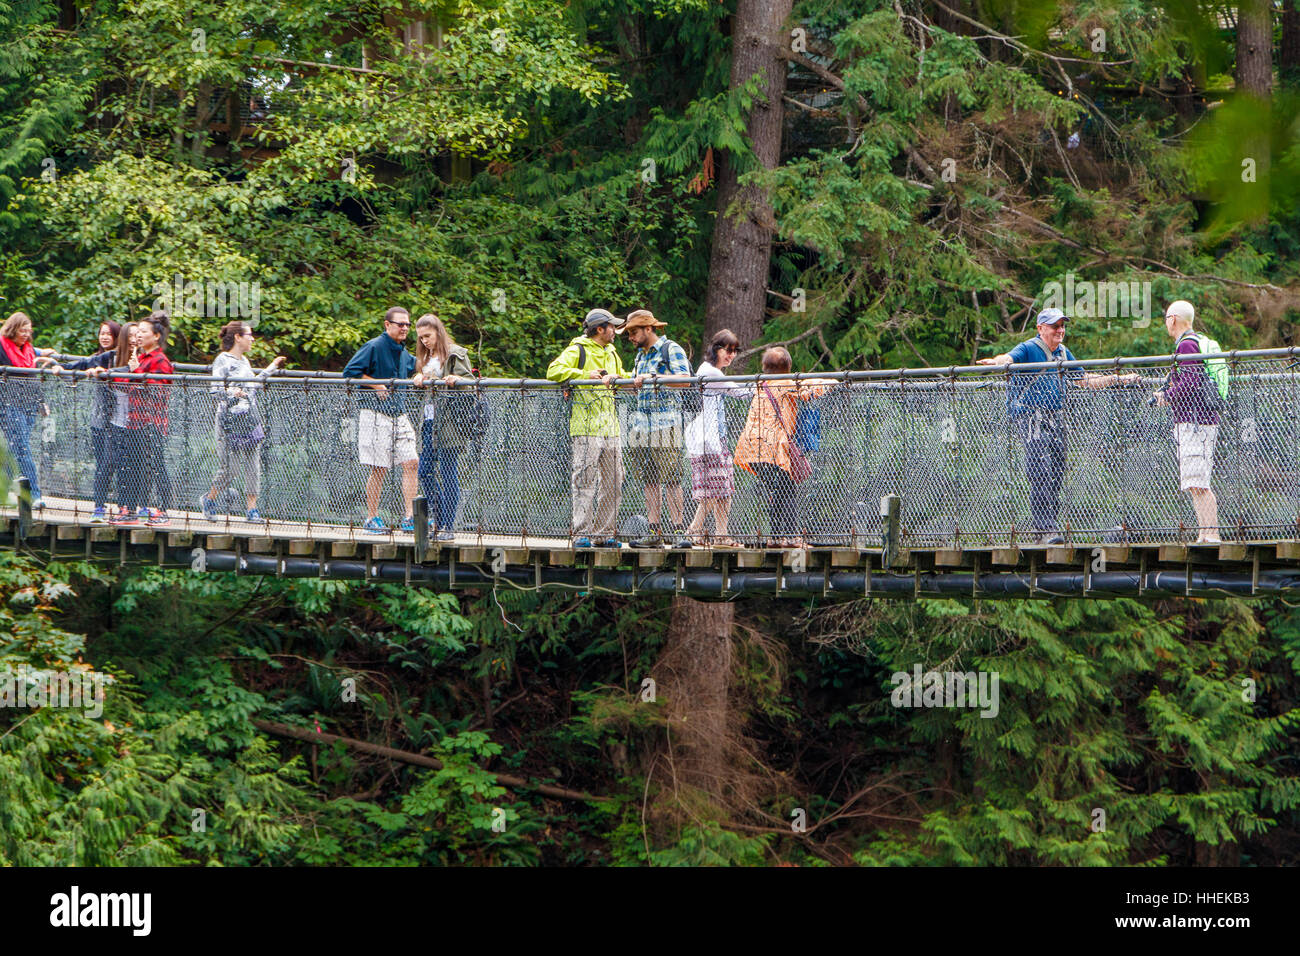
(877, 183)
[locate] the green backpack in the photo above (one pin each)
(1217, 368)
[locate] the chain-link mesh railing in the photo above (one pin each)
(496, 458)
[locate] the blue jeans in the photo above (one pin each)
(102, 439)
(438, 481)
(1043, 432)
(17, 426)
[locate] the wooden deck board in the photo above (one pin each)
(69, 520)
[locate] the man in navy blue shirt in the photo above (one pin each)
(1035, 405)
(384, 434)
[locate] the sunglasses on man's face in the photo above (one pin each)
(400, 325)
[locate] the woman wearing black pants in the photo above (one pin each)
(101, 433)
(767, 448)
(146, 420)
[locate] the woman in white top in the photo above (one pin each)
(446, 425)
(712, 475)
(238, 427)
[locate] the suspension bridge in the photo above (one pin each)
(918, 488)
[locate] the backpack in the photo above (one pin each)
(808, 428)
(1216, 369)
(1217, 383)
(582, 365)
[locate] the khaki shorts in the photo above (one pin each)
(385, 440)
(656, 457)
(1196, 445)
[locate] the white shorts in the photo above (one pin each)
(377, 443)
(1196, 444)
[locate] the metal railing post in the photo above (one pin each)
(420, 515)
(891, 507)
(24, 506)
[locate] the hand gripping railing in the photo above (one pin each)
(497, 456)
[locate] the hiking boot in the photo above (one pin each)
(681, 542)
(651, 540)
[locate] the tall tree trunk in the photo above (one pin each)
(693, 674)
(1255, 83)
(694, 670)
(1255, 47)
(742, 246)
(1289, 56)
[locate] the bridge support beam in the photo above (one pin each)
(735, 582)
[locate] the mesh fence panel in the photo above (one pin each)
(500, 456)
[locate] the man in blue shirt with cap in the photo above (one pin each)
(1035, 405)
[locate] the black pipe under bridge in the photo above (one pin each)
(293, 550)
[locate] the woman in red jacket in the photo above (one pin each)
(21, 397)
(146, 416)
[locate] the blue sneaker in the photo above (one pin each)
(254, 516)
(209, 508)
(408, 524)
(580, 543)
(100, 516)
(374, 525)
(609, 543)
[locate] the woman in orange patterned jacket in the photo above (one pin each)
(766, 447)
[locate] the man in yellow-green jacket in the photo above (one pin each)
(597, 475)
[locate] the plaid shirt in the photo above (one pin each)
(658, 408)
(147, 400)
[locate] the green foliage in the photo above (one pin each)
(1116, 727)
(547, 158)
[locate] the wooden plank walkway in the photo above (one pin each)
(65, 521)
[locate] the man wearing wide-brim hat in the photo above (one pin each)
(654, 440)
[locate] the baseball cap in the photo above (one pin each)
(598, 317)
(1051, 317)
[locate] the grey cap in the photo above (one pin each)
(598, 317)
(1052, 317)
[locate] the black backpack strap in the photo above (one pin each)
(582, 357)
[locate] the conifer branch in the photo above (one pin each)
(419, 760)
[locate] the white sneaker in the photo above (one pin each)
(38, 503)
